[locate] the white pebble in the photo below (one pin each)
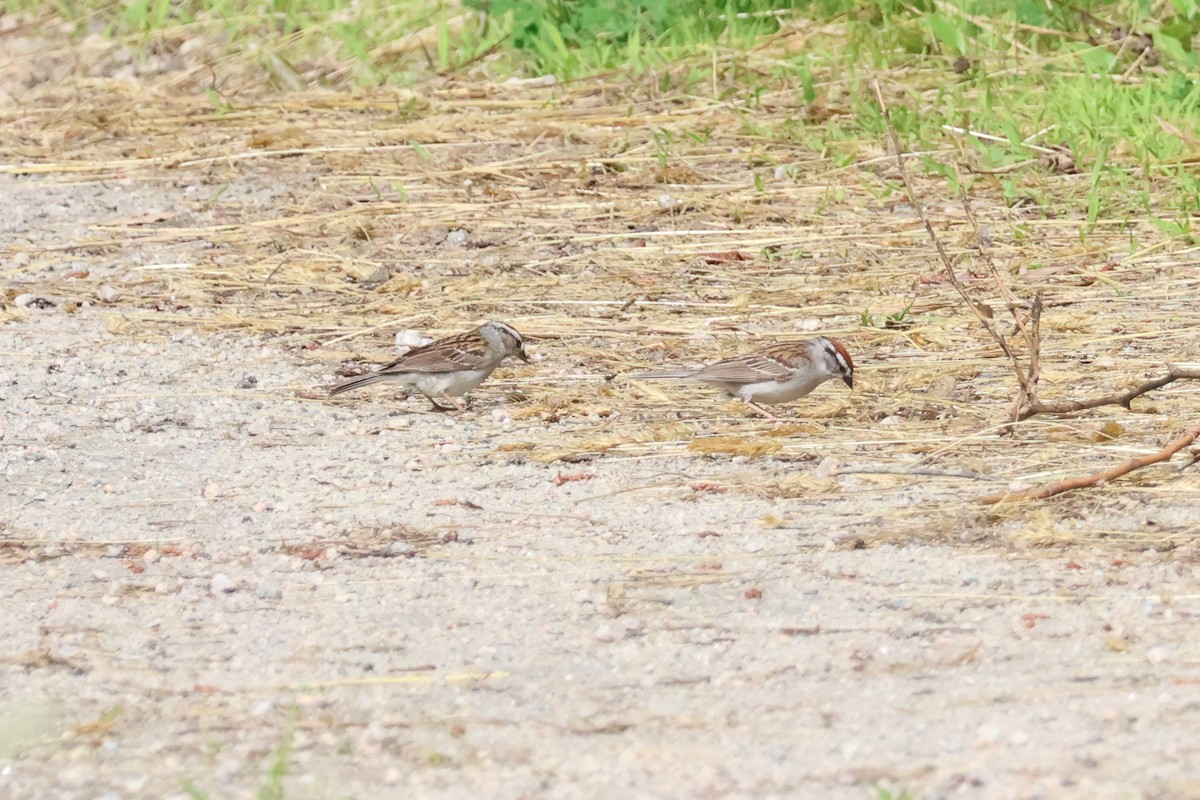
(608, 633)
(987, 734)
(108, 293)
(406, 340)
(222, 584)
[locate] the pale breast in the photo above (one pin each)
(449, 384)
(777, 391)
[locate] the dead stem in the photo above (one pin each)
(1122, 399)
(1022, 378)
(1096, 479)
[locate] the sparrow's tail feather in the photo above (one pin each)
(357, 383)
(658, 376)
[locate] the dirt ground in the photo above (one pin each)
(217, 583)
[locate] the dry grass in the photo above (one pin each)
(615, 254)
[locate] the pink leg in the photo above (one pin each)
(760, 410)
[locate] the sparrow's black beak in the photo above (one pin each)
(849, 379)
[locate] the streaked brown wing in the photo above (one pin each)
(454, 353)
(750, 368)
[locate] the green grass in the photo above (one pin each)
(879, 793)
(1105, 92)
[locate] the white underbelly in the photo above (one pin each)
(448, 384)
(771, 391)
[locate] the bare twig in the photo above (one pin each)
(935, 473)
(1031, 331)
(1099, 478)
(1022, 378)
(1119, 399)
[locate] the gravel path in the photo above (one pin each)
(220, 585)
(214, 583)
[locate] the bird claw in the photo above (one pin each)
(455, 405)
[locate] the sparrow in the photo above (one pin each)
(448, 368)
(778, 373)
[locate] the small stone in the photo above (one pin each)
(1156, 655)
(457, 237)
(150, 556)
(211, 490)
(608, 633)
(248, 382)
(192, 45)
(987, 734)
(268, 591)
(24, 300)
(406, 340)
(222, 584)
(108, 294)
(667, 202)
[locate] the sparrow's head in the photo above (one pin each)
(505, 339)
(834, 359)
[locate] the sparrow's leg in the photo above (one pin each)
(456, 403)
(760, 410)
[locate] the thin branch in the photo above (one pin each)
(1099, 478)
(1119, 399)
(926, 471)
(920, 209)
(1035, 347)
(1031, 331)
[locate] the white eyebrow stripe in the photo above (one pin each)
(510, 330)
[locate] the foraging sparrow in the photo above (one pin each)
(778, 373)
(450, 367)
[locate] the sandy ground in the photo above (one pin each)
(210, 580)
